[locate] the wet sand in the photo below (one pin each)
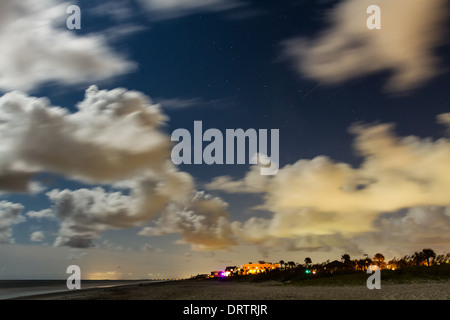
(234, 290)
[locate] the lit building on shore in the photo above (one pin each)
(260, 267)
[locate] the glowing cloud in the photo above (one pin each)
(317, 200)
(348, 49)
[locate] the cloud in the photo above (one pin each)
(115, 144)
(149, 248)
(179, 103)
(116, 10)
(445, 120)
(41, 214)
(76, 254)
(410, 31)
(114, 138)
(253, 182)
(10, 214)
(419, 225)
(84, 214)
(37, 48)
(201, 220)
(175, 104)
(163, 9)
(317, 202)
(112, 135)
(37, 236)
(12, 181)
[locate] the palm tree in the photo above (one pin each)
(418, 257)
(367, 261)
(346, 258)
(427, 254)
(308, 261)
(360, 264)
(281, 264)
(379, 258)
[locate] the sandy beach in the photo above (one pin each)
(234, 290)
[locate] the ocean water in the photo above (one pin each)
(23, 288)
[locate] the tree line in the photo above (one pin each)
(425, 257)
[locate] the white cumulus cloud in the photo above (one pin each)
(41, 214)
(37, 236)
(114, 138)
(112, 135)
(37, 48)
(113, 141)
(84, 214)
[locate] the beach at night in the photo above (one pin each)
(236, 151)
(228, 290)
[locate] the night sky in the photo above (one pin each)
(348, 182)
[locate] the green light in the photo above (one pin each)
(307, 271)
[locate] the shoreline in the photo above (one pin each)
(235, 290)
(56, 293)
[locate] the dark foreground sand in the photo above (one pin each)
(231, 290)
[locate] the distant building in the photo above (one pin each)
(230, 271)
(334, 266)
(260, 267)
(216, 274)
(200, 277)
